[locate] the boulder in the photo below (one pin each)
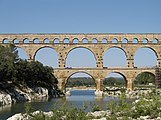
(5, 99)
(42, 91)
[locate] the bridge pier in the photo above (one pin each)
(99, 87)
(129, 84)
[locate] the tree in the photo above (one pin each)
(8, 56)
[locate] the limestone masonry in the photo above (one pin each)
(97, 44)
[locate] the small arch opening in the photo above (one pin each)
(145, 41)
(56, 41)
(104, 40)
(66, 41)
(75, 41)
(85, 41)
(94, 40)
(36, 40)
(154, 41)
(114, 41)
(16, 41)
(46, 41)
(125, 41)
(5, 41)
(135, 41)
(26, 41)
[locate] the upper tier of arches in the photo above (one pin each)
(81, 38)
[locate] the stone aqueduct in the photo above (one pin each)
(97, 44)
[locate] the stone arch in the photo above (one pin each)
(15, 41)
(56, 41)
(53, 54)
(145, 41)
(85, 40)
(104, 40)
(22, 54)
(106, 57)
(125, 40)
(114, 41)
(152, 73)
(26, 40)
(66, 41)
(75, 41)
(155, 41)
(80, 47)
(135, 41)
(118, 73)
(72, 73)
(136, 56)
(5, 41)
(46, 40)
(94, 41)
(36, 40)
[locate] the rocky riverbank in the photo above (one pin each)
(22, 94)
(146, 107)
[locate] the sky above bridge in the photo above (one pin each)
(82, 16)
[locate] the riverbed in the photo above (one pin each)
(77, 99)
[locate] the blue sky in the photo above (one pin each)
(81, 16)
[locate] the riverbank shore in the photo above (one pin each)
(11, 94)
(147, 106)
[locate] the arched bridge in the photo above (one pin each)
(97, 44)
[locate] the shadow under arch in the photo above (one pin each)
(138, 59)
(124, 56)
(79, 47)
(52, 54)
(78, 72)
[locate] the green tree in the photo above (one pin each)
(8, 57)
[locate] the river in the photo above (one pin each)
(77, 99)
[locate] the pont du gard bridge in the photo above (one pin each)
(63, 44)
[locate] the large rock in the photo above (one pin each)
(43, 92)
(5, 99)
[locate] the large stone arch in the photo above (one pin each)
(24, 52)
(153, 49)
(145, 71)
(150, 47)
(74, 48)
(121, 48)
(152, 72)
(41, 47)
(55, 52)
(122, 74)
(114, 47)
(75, 72)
